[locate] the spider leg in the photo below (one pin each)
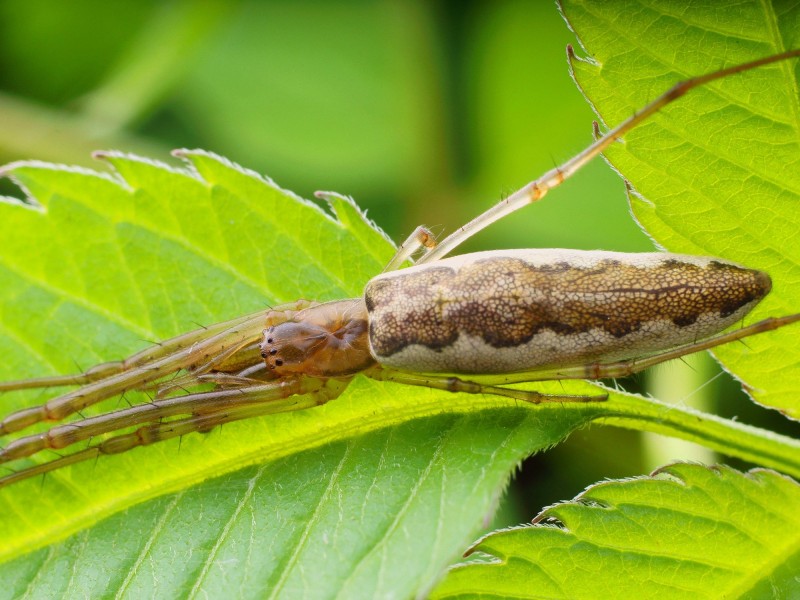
(140, 359)
(210, 348)
(457, 384)
(624, 368)
(536, 189)
(201, 413)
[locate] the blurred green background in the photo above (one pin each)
(424, 112)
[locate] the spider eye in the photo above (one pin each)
(278, 362)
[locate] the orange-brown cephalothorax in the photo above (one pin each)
(324, 340)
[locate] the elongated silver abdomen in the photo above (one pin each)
(519, 310)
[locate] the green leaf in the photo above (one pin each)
(380, 511)
(371, 494)
(149, 252)
(685, 532)
(715, 173)
(718, 172)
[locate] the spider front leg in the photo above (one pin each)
(140, 359)
(168, 418)
(226, 347)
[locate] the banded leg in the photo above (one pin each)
(221, 380)
(536, 189)
(205, 411)
(141, 377)
(421, 237)
(456, 384)
(108, 369)
(207, 372)
(624, 368)
(210, 348)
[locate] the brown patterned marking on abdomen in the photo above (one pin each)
(506, 301)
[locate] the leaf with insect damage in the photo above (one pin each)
(718, 172)
(109, 261)
(686, 532)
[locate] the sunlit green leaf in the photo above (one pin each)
(371, 494)
(688, 532)
(718, 172)
(108, 261)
